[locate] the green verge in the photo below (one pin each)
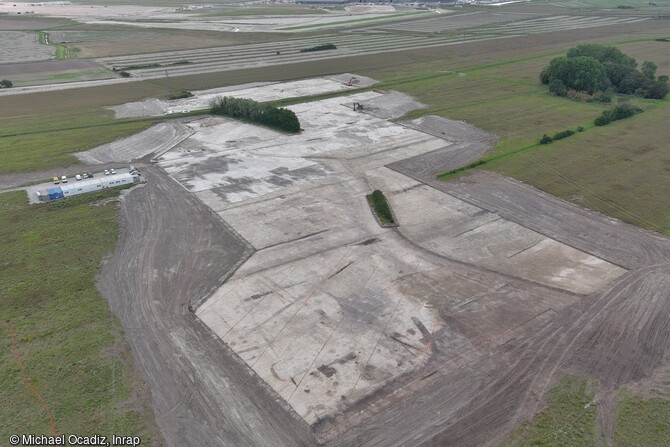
(568, 420)
(642, 422)
(48, 141)
(380, 206)
(71, 346)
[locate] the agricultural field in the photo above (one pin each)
(19, 46)
(348, 45)
(500, 98)
(95, 41)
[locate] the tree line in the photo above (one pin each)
(600, 70)
(256, 112)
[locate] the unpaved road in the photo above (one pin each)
(14, 181)
(172, 248)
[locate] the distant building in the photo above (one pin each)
(325, 2)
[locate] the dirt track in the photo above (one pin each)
(172, 248)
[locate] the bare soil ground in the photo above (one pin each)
(173, 248)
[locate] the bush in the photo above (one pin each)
(621, 111)
(6, 83)
(580, 129)
(256, 112)
(563, 134)
(180, 95)
(325, 46)
(603, 96)
(580, 96)
(546, 139)
(655, 89)
(381, 206)
(124, 74)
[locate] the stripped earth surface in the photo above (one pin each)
(265, 305)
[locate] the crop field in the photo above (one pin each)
(285, 52)
(74, 372)
(103, 41)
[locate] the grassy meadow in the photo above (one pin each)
(567, 421)
(71, 347)
(47, 141)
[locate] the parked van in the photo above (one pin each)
(78, 177)
(56, 180)
(63, 179)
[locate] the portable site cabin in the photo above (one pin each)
(84, 186)
(46, 195)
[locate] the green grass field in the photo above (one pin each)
(568, 420)
(46, 141)
(71, 347)
(642, 422)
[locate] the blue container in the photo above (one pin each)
(55, 193)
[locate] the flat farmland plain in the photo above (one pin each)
(288, 51)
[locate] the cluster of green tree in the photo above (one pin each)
(381, 206)
(621, 111)
(180, 95)
(256, 112)
(6, 83)
(594, 69)
(325, 46)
